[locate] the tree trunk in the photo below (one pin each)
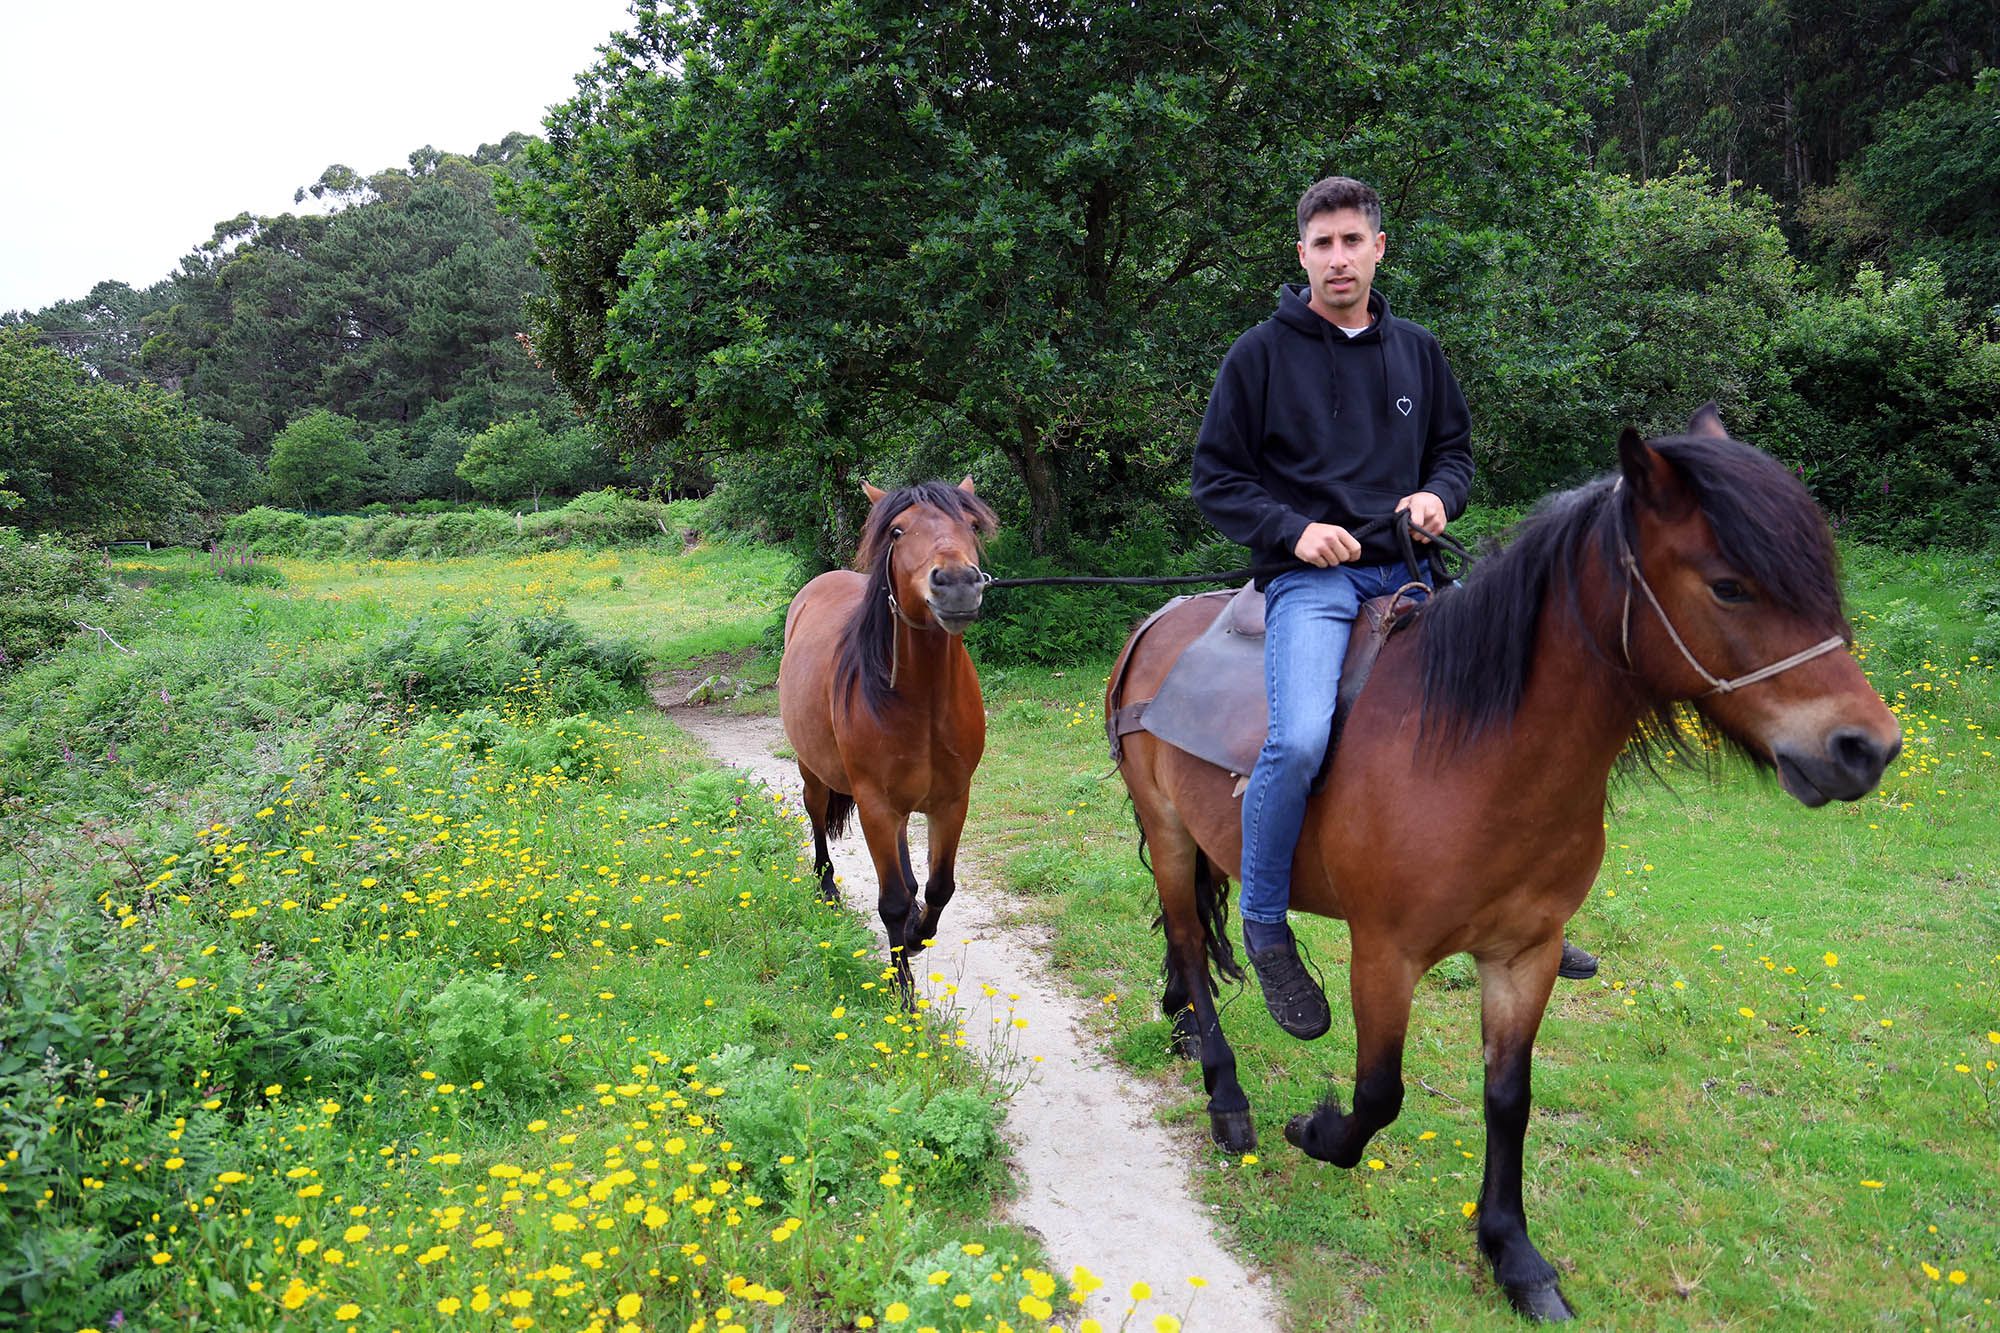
(1045, 507)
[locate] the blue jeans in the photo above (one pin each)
(1308, 617)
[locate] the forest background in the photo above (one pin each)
(768, 250)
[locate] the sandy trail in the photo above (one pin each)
(1100, 1180)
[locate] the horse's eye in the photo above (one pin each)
(894, 533)
(1729, 590)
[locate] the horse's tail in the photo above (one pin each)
(839, 809)
(1211, 904)
(1211, 908)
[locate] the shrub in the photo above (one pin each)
(267, 531)
(256, 574)
(1890, 409)
(1907, 633)
(481, 1027)
(545, 660)
(45, 588)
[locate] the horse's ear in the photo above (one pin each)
(1707, 422)
(875, 493)
(966, 485)
(1655, 482)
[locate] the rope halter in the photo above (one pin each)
(1717, 685)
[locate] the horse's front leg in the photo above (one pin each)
(1513, 993)
(886, 829)
(942, 827)
(1383, 982)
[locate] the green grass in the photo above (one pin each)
(321, 1008)
(1690, 1166)
(716, 597)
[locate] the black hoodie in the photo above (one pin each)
(1309, 425)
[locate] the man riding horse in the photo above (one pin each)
(1325, 415)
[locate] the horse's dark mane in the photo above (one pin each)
(1478, 640)
(867, 647)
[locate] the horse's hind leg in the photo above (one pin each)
(827, 811)
(1178, 1005)
(1513, 993)
(1383, 983)
(1189, 901)
(943, 827)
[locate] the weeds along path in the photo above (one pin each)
(1100, 1180)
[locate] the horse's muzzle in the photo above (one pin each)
(1847, 769)
(955, 596)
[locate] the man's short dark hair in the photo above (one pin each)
(1338, 192)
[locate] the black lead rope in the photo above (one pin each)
(1400, 521)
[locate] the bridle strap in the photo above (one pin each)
(1716, 684)
(889, 591)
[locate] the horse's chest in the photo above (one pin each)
(924, 763)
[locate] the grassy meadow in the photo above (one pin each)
(1778, 1103)
(374, 957)
(387, 962)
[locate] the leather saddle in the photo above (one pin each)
(1212, 703)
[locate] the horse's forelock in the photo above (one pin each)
(947, 499)
(1765, 524)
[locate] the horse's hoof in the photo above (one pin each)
(1300, 1134)
(1543, 1302)
(1233, 1131)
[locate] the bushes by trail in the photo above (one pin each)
(450, 661)
(45, 588)
(598, 518)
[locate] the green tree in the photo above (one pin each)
(89, 458)
(1928, 187)
(103, 330)
(1781, 94)
(792, 241)
(319, 461)
(1662, 295)
(517, 457)
(406, 297)
(1888, 401)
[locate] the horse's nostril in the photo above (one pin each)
(937, 576)
(1857, 752)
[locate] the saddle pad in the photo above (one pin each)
(1212, 703)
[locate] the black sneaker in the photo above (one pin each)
(1295, 1000)
(1576, 964)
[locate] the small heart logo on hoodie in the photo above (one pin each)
(1404, 405)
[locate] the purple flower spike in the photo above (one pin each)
(69, 757)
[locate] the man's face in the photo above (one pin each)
(1339, 254)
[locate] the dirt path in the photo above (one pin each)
(1100, 1180)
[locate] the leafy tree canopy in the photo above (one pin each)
(407, 295)
(91, 458)
(319, 461)
(517, 457)
(846, 229)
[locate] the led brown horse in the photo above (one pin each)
(1464, 809)
(881, 701)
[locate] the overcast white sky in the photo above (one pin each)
(133, 128)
